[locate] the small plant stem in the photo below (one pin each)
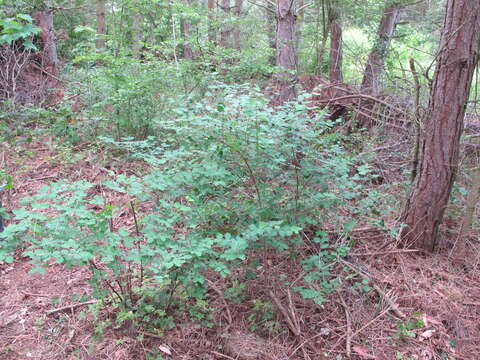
(137, 232)
(416, 119)
(137, 229)
(297, 190)
(250, 171)
(110, 286)
(172, 291)
(254, 180)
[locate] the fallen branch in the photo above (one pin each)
(71, 307)
(222, 296)
(34, 295)
(349, 325)
(222, 355)
(390, 302)
(387, 252)
(290, 318)
(361, 96)
(146, 333)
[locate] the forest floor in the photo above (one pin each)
(415, 307)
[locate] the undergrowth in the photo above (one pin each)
(229, 177)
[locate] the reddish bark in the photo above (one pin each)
(335, 74)
(101, 25)
(211, 17)
(137, 33)
(50, 61)
(272, 33)
(187, 49)
(376, 59)
(236, 28)
(226, 30)
(286, 55)
(456, 63)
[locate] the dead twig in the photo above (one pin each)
(404, 251)
(394, 307)
(222, 296)
(222, 355)
(34, 295)
(291, 320)
(349, 325)
(71, 307)
(146, 333)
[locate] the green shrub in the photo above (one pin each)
(229, 175)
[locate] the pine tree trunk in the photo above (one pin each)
(272, 33)
(236, 29)
(101, 25)
(376, 59)
(225, 33)
(211, 18)
(137, 33)
(336, 49)
(50, 61)
(54, 90)
(320, 48)
(185, 25)
(286, 55)
(456, 63)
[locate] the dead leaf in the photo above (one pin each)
(427, 334)
(165, 349)
(363, 352)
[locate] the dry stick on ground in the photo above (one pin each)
(361, 329)
(382, 293)
(404, 251)
(290, 318)
(71, 307)
(349, 325)
(222, 355)
(146, 333)
(222, 296)
(34, 295)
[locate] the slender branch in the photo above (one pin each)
(71, 307)
(305, 6)
(262, 6)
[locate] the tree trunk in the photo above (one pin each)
(456, 62)
(225, 33)
(50, 61)
(286, 56)
(272, 33)
(460, 248)
(378, 54)
(54, 90)
(185, 28)
(187, 49)
(299, 22)
(137, 33)
(320, 48)
(211, 17)
(236, 28)
(336, 49)
(101, 25)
